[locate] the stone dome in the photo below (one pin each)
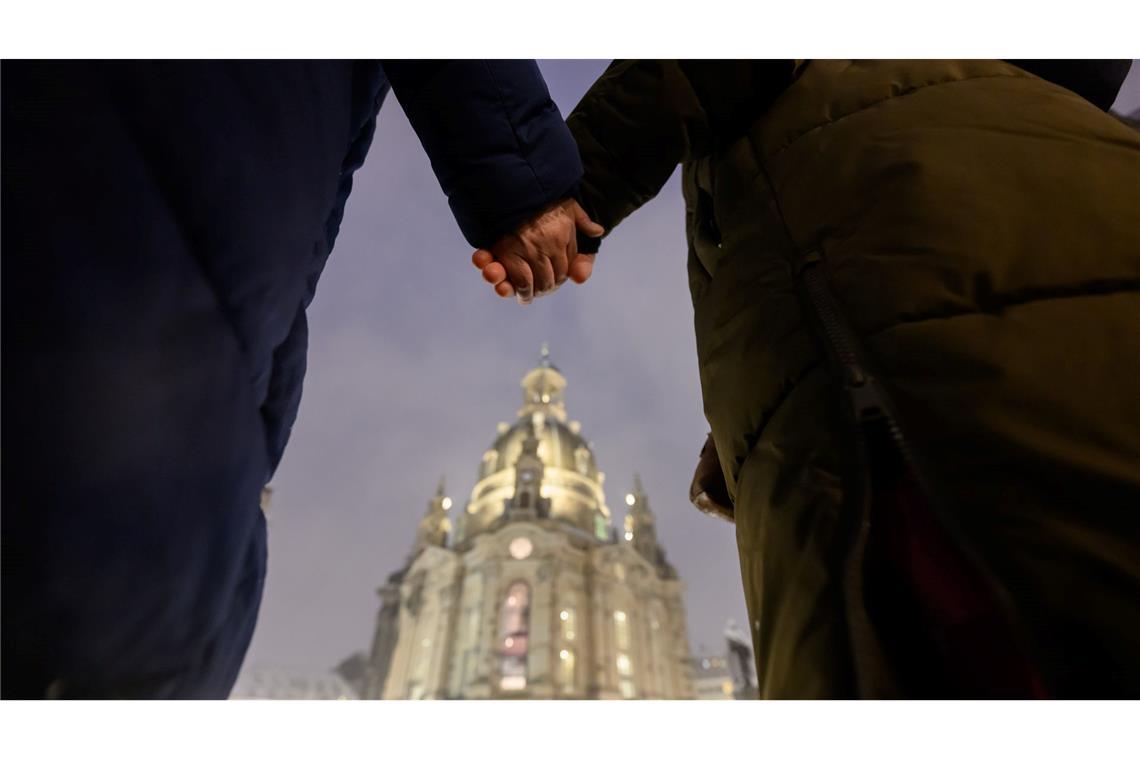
(571, 479)
(559, 445)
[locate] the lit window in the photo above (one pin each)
(566, 670)
(512, 683)
(621, 630)
(726, 687)
(567, 618)
(622, 661)
(514, 625)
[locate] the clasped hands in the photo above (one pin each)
(541, 254)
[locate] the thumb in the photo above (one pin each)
(582, 268)
(587, 225)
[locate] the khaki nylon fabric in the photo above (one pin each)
(981, 228)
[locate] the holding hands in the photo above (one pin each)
(540, 255)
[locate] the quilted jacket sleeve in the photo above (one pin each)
(497, 143)
(642, 118)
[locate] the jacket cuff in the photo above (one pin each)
(587, 244)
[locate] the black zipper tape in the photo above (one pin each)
(871, 409)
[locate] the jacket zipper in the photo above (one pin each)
(866, 396)
(872, 675)
(871, 406)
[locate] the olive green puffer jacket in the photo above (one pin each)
(980, 230)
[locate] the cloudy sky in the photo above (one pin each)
(412, 363)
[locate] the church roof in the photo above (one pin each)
(558, 446)
(570, 486)
(543, 412)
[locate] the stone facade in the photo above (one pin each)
(530, 592)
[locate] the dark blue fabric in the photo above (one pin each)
(497, 142)
(165, 224)
(287, 371)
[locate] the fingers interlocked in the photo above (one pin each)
(542, 254)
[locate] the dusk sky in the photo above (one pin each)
(412, 363)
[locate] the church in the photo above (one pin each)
(530, 590)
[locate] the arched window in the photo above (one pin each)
(514, 630)
(622, 661)
(569, 628)
(568, 623)
(566, 670)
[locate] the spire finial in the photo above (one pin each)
(439, 490)
(544, 353)
(637, 487)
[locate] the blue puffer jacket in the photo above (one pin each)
(165, 224)
(498, 146)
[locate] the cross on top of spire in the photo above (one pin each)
(542, 389)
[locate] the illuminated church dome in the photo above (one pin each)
(528, 591)
(570, 485)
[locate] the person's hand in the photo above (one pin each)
(580, 270)
(538, 257)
